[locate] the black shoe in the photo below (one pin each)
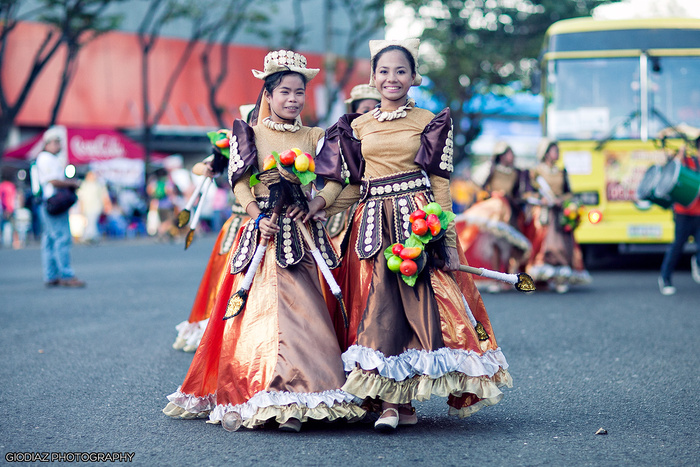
(53, 283)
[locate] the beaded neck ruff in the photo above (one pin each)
(504, 169)
(292, 128)
(394, 114)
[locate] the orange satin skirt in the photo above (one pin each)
(490, 240)
(405, 343)
(556, 257)
(278, 359)
(190, 331)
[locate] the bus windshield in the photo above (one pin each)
(600, 98)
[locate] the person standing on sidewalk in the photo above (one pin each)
(687, 223)
(55, 237)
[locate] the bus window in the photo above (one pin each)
(588, 98)
(674, 95)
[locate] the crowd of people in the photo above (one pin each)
(107, 210)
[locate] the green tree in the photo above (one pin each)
(73, 23)
(479, 46)
(239, 15)
(80, 22)
(201, 18)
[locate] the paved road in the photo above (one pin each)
(88, 371)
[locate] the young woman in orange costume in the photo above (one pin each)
(189, 332)
(279, 359)
(490, 230)
(407, 343)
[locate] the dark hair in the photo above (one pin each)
(356, 103)
(405, 51)
(274, 80)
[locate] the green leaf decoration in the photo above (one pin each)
(388, 253)
(410, 280)
(304, 177)
(416, 241)
(445, 218)
(215, 136)
(254, 180)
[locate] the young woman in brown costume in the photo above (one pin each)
(405, 343)
(279, 359)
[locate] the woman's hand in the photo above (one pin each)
(316, 206)
(452, 259)
(295, 213)
(267, 227)
(203, 168)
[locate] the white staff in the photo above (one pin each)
(197, 213)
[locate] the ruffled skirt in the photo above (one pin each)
(189, 332)
(490, 240)
(278, 359)
(556, 257)
(406, 343)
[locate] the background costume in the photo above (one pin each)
(190, 331)
(556, 257)
(490, 230)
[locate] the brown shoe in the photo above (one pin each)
(72, 282)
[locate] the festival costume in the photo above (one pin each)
(489, 230)
(279, 359)
(556, 257)
(405, 343)
(190, 332)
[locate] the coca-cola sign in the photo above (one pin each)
(101, 147)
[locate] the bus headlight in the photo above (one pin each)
(595, 216)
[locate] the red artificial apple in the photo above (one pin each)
(408, 267)
(287, 157)
(419, 227)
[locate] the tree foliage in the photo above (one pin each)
(73, 24)
(477, 46)
(238, 15)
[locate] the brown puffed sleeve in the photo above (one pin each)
(243, 153)
(436, 149)
(342, 151)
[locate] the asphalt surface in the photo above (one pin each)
(87, 371)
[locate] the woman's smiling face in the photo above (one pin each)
(393, 76)
(287, 99)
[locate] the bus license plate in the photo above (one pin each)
(644, 231)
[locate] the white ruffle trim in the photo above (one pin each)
(435, 363)
(559, 274)
(280, 399)
(189, 335)
(499, 229)
(193, 404)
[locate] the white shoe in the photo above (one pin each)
(665, 287)
(388, 421)
(293, 425)
(561, 288)
(695, 268)
(179, 343)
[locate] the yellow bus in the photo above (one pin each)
(611, 89)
